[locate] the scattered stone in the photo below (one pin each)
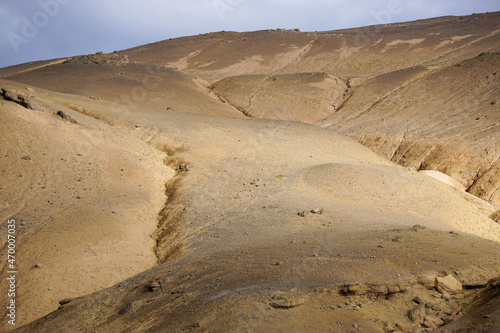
(404, 327)
(430, 326)
(447, 297)
(379, 289)
(441, 307)
(255, 182)
(433, 322)
(429, 307)
(65, 301)
(286, 302)
(418, 227)
(448, 284)
(302, 214)
(389, 328)
(397, 239)
(393, 289)
(403, 286)
(493, 102)
(428, 281)
(26, 158)
(38, 265)
(154, 286)
(66, 117)
(317, 211)
(417, 314)
(356, 289)
(182, 168)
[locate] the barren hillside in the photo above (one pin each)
(265, 181)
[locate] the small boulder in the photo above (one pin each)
(154, 286)
(66, 117)
(65, 301)
(424, 298)
(418, 227)
(393, 289)
(428, 280)
(404, 327)
(448, 285)
(379, 290)
(397, 239)
(447, 297)
(286, 301)
(417, 314)
(183, 167)
(356, 289)
(317, 211)
(403, 286)
(433, 322)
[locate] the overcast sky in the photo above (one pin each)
(45, 29)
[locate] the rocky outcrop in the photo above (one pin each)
(99, 59)
(435, 299)
(11, 96)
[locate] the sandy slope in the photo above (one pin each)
(286, 96)
(85, 197)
